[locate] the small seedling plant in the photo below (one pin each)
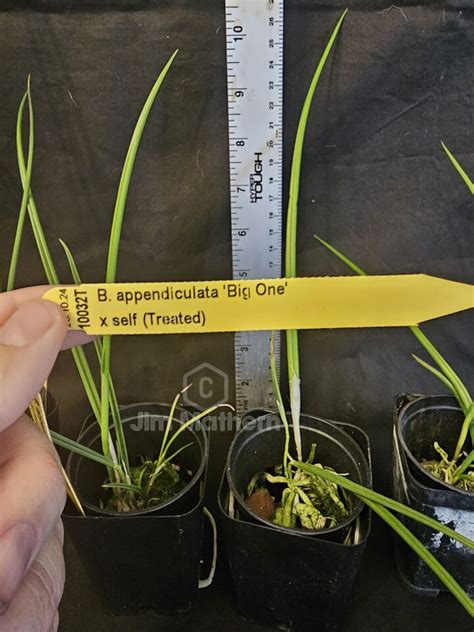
(302, 501)
(305, 482)
(297, 500)
(132, 486)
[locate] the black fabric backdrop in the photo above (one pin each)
(375, 181)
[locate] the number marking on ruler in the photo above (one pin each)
(254, 35)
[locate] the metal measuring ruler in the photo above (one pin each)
(254, 35)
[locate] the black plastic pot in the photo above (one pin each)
(144, 426)
(260, 445)
(418, 422)
(148, 559)
(287, 577)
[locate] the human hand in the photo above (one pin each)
(32, 491)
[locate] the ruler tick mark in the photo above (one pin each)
(255, 174)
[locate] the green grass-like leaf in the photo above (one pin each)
(124, 184)
(355, 268)
(26, 189)
(466, 179)
(114, 244)
(428, 558)
(45, 254)
(455, 383)
(72, 263)
(380, 505)
(291, 233)
(114, 406)
(385, 501)
(463, 395)
(438, 375)
(127, 486)
(164, 462)
(189, 423)
(464, 465)
(113, 457)
(295, 176)
(41, 243)
(168, 426)
(81, 450)
(464, 432)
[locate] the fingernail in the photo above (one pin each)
(16, 550)
(29, 323)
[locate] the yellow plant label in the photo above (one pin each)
(262, 304)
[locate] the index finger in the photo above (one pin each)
(11, 301)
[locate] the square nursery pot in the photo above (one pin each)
(419, 421)
(149, 559)
(293, 577)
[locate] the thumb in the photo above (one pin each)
(29, 344)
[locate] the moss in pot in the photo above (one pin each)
(289, 498)
(271, 496)
(164, 464)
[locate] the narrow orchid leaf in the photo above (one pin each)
(114, 243)
(189, 423)
(126, 175)
(423, 553)
(385, 501)
(291, 235)
(114, 406)
(81, 450)
(26, 190)
(169, 423)
(466, 179)
(461, 392)
(381, 505)
(127, 486)
(48, 264)
(355, 268)
(440, 376)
